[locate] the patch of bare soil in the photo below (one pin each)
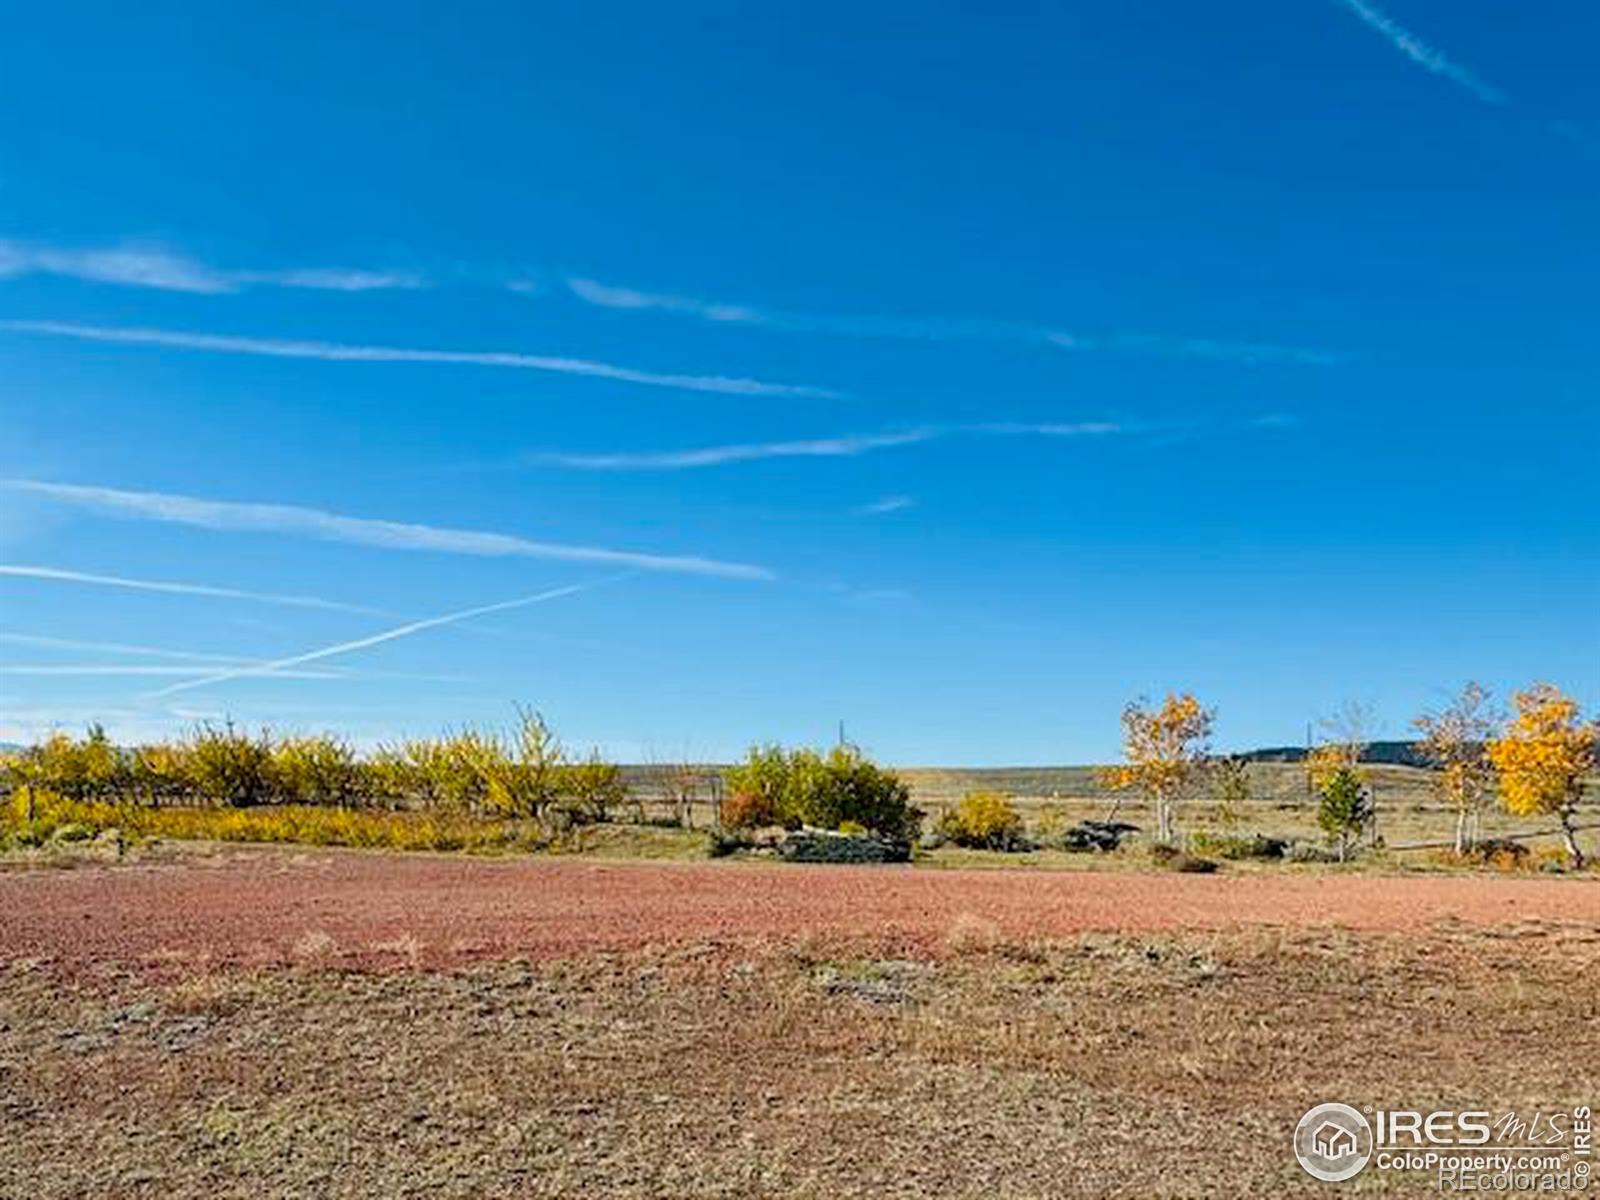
(252, 908)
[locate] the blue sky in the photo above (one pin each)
(959, 374)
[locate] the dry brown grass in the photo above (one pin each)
(1101, 1065)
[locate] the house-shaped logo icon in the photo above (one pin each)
(1333, 1141)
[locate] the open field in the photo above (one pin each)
(266, 1022)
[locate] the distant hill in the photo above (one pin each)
(1393, 754)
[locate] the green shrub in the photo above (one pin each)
(1345, 808)
(759, 789)
(985, 821)
(803, 787)
(1231, 786)
(1306, 852)
(849, 787)
(1234, 846)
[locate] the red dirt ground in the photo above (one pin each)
(258, 908)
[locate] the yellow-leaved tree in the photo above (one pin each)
(1456, 741)
(1164, 747)
(1542, 757)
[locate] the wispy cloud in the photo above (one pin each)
(376, 639)
(591, 292)
(1058, 429)
(40, 642)
(1419, 52)
(946, 328)
(133, 265)
(845, 446)
(95, 670)
(361, 531)
(889, 504)
(339, 352)
(841, 446)
(333, 279)
(1276, 420)
(1249, 354)
(60, 575)
(211, 661)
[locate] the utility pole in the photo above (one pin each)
(1311, 789)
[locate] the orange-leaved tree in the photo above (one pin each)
(1164, 746)
(1542, 757)
(1456, 741)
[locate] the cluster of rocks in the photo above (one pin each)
(1104, 836)
(810, 845)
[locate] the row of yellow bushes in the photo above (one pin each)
(524, 773)
(33, 817)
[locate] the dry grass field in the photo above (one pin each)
(1280, 805)
(272, 1023)
(1409, 810)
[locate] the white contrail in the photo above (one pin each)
(39, 641)
(889, 504)
(375, 639)
(605, 296)
(109, 669)
(211, 661)
(845, 446)
(338, 352)
(1419, 52)
(58, 575)
(841, 446)
(360, 531)
(133, 265)
(975, 329)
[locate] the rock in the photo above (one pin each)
(823, 845)
(1103, 836)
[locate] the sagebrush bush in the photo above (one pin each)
(984, 821)
(1235, 846)
(1173, 859)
